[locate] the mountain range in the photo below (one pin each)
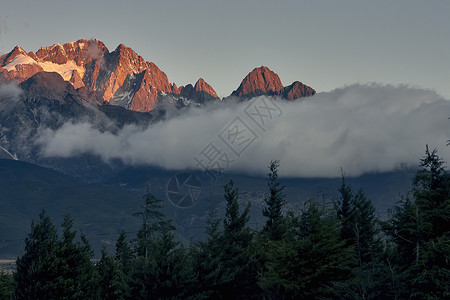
(124, 78)
(84, 82)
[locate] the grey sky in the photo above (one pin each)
(325, 44)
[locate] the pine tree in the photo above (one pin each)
(344, 210)
(235, 230)
(224, 263)
(275, 226)
(360, 231)
(420, 230)
(162, 269)
(143, 270)
(152, 218)
(359, 225)
(309, 265)
(431, 192)
(207, 262)
(124, 253)
(365, 229)
(111, 278)
(38, 273)
(237, 237)
(77, 269)
(425, 225)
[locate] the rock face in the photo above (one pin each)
(297, 90)
(7, 58)
(121, 77)
(124, 78)
(76, 79)
(202, 86)
(260, 81)
(263, 81)
(201, 92)
(18, 65)
(136, 93)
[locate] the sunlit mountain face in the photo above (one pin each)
(124, 78)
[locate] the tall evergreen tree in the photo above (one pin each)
(344, 210)
(237, 237)
(360, 231)
(124, 254)
(359, 224)
(77, 269)
(310, 265)
(420, 229)
(112, 283)
(365, 228)
(275, 226)
(152, 219)
(207, 261)
(224, 262)
(162, 270)
(431, 192)
(235, 230)
(38, 272)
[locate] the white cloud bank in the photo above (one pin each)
(362, 128)
(9, 92)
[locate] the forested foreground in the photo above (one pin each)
(322, 252)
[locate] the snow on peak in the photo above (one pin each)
(20, 60)
(65, 70)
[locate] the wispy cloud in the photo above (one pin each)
(9, 94)
(362, 128)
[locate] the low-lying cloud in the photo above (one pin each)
(10, 91)
(361, 128)
(9, 95)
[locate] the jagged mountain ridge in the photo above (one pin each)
(121, 77)
(263, 81)
(124, 78)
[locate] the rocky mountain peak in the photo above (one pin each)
(260, 81)
(7, 58)
(19, 50)
(84, 51)
(297, 90)
(55, 54)
(263, 81)
(202, 86)
(18, 65)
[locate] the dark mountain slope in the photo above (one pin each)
(26, 189)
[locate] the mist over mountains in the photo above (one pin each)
(86, 109)
(360, 128)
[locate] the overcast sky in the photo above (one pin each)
(325, 44)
